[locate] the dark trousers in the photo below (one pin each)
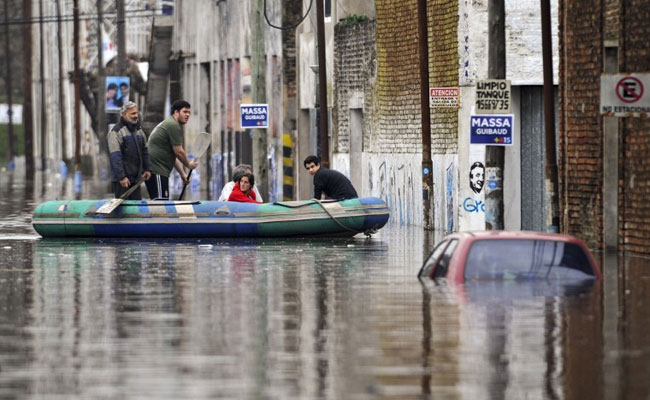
(158, 187)
(119, 190)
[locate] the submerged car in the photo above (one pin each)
(510, 255)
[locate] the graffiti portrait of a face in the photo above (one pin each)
(476, 177)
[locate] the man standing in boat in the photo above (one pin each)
(166, 151)
(332, 183)
(127, 146)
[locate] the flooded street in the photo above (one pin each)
(297, 319)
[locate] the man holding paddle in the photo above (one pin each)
(129, 159)
(166, 151)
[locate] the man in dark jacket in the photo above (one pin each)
(127, 146)
(332, 183)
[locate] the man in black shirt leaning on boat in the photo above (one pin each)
(332, 183)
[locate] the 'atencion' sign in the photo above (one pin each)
(495, 130)
(254, 116)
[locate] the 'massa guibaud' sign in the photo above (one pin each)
(254, 115)
(493, 129)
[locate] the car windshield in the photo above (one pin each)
(526, 259)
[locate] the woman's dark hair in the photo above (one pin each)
(180, 104)
(112, 86)
(251, 179)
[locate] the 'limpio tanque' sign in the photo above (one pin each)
(495, 130)
(493, 96)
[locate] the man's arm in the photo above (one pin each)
(115, 157)
(178, 165)
(258, 196)
(225, 192)
(180, 154)
(318, 186)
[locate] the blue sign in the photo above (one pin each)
(254, 116)
(493, 129)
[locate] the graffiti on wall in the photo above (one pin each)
(475, 204)
(449, 189)
(394, 184)
(476, 177)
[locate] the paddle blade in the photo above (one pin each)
(109, 206)
(201, 143)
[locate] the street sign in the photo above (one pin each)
(16, 114)
(493, 96)
(625, 95)
(254, 116)
(494, 130)
(444, 97)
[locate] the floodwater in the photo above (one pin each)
(297, 319)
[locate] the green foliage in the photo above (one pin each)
(4, 142)
(353, 19)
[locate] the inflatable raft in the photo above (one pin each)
(171, 219)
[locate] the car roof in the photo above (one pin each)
(511, 234)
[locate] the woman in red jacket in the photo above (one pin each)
(243, 190)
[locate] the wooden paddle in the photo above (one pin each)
(112, 204)
(203, 142)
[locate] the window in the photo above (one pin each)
(327, 9)
(522, 259)
(443, 264)
(431, 261)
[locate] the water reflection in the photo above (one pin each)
(330, 319)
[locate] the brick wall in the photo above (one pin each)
(397, 127)
(581, 38)
(291, 13)
(354, 61)
(634, 218)
(397, 117)
(612, 20)
(443, 61)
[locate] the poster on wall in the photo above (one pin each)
(117, 92)
(494, 130)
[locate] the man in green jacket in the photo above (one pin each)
(166, 151)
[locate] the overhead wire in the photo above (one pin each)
(284, 28)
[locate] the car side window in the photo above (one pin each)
(443, 265)
(430, 263)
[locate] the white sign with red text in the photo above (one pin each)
(444, 97)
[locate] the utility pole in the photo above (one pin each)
(121, 39)
(27, 91)
(258, 75)
(62, 108)
(495, 155)
(322, 85)
(552, 185)
(8, 80)
(77, 90)
(43, 98)
(101, 87)
(425, 115)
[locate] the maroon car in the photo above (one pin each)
(510, 255)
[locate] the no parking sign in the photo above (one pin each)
(625, 95)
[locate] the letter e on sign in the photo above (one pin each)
(629, 89)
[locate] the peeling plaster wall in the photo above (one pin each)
(524, 67)
(396, 179)
(523, 41)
